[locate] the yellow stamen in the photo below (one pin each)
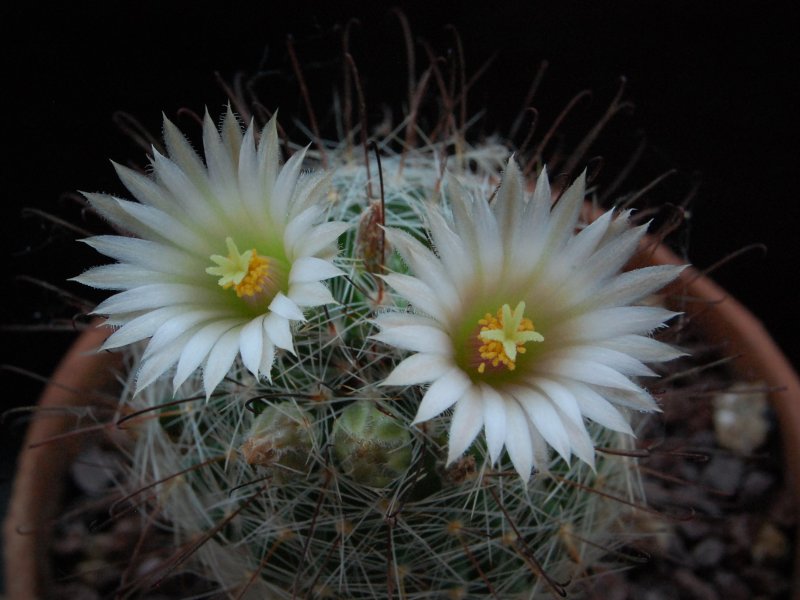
(256, 279)
(504, 336)
(253, 277)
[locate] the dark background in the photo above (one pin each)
(715, 87)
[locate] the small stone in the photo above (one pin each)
(770, 544)
(740, 418)
(708, 552)
(723, 474)
(756, 484)
(694, 529)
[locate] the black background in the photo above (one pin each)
(715, 87)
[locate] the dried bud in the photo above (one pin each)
(280, 436)
(371, 244)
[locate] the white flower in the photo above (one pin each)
(524, 325)
(224, 255)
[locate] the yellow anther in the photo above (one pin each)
(253, 277)
(256, 279)
(504, 335)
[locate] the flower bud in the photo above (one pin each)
(371, 447)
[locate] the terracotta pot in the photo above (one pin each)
(39, 482)
(41, 471)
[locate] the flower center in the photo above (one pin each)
(255, 278)
(503, 336)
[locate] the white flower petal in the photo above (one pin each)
(426, 267)
(185, 322)
(419, 368)
(310, 189)
(518, 440)
(157, 295)
(220, 359)
(582, 245)
(587, 372)
(286, 308)
(309, 268)
(466, 423)
(183, 191)
(181, 151)
(562, 398)
(310, 294)
(298, 228)
(564, 215)
(319, 239)
(268, 156)
(579, 439)
(222, 175)
(419, 294)
(639, 400)
(231, 132)
(509, 201)
(619, 361)
(593, 406)
(417, 338)
(165, 226)
(644, 348)
(109, 208)
(388, 320)
(145, 190)
(197, 348)
(267, 358)
(634, 285)
(452, 249)
(547, 421)
(249, 179)
(606, 323)
(494, 421)
(159, 362)
(141, 327)
(442, 394)
(284, 187)
(609, 259)
(251, 345)
(144, 253)
(278, 331)
(120, 276)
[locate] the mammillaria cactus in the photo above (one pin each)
(296, 451)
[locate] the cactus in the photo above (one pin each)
(293, 470)
(317, 485)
